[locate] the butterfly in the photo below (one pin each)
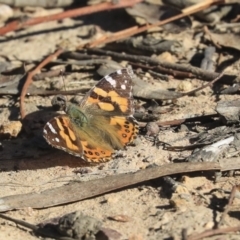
(100, 124)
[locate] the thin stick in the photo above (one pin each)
(30, 76)
(228, 206)
(135, 30)
(204, 86)
(16, 25)
(213, 232)
(76, 191)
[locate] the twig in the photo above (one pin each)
(30, 76)
(42, 92)
(159, 75)
(39, 92)
(136, 30)
(36, 229)
(204, 86)
(213, 232)
(20, 222)
(16, 25)
(76, 191)
(227, 207)
(193, 72)
(180, 121)
(184, 120)
(52, 73)
(171, 72)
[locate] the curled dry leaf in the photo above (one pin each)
(225, 40)
(151, 13)
(136, 237)
(211, 14)
(120, 218)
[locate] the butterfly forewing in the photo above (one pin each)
(59, 133)
(113, 93)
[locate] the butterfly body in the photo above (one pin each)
(100, 124)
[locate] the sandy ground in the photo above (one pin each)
(151, 216)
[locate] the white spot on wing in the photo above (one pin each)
(57, 140)
(123, 86)
(111, 80)
(44, 131)
(119, 71)
(51, 128)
